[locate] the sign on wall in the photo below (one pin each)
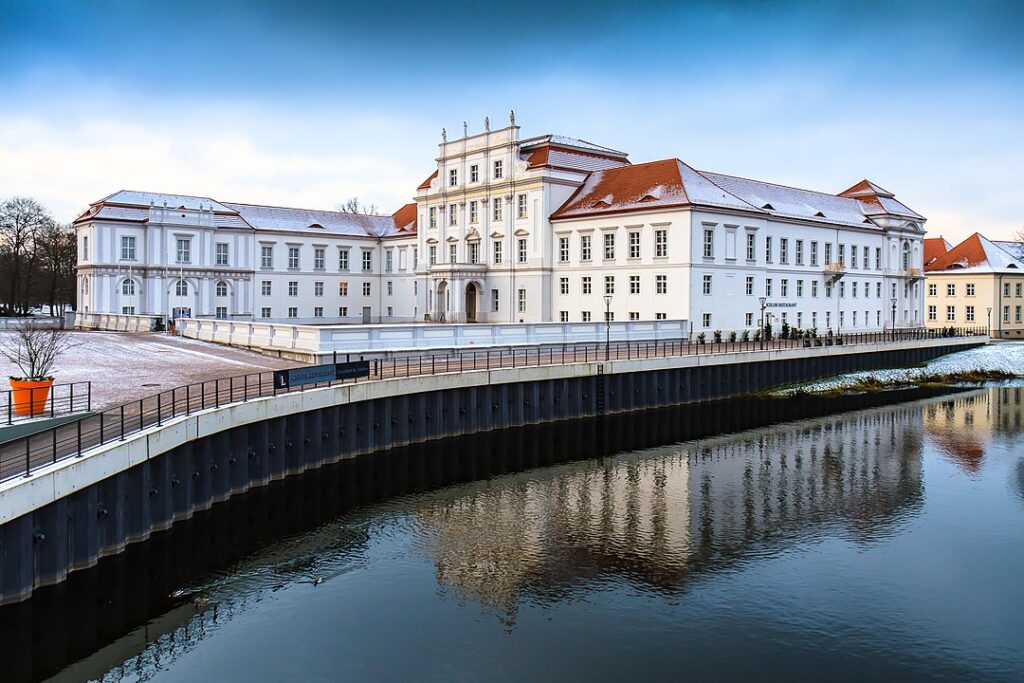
(294, 377)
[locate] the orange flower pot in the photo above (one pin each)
(29, 396)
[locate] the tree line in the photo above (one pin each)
(38, 256)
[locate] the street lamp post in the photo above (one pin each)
(988, 329)
(893, 302)
(764, 303)
(607, 325)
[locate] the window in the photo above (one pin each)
(970, 289)
(1018, 289)
(128, 288)
(661, 284)
(318, 258)
(293, 288)
(707, 320)
(586, 284)
(748, 320)
(293, 258)
(950, 290)
(906, 255)
(853, 258)
(221, 288)
(1016, 314)
(367, 261)
(499, 169)
(878, 258)
(634, 284)
(634, 315)
(266, 257)
(867, 265)
(814, 289)
(609, 316)
(853, 286)
(828, 290)
(878, 290)
(814, 254)
(706, 288)
(842, 254)
(799, 288)
(318, 311)
(343, 311)
(584, 247)
(950, 313)
(453, 214)
(855, 318)
(128, 248)
(969, 313)
(609, 284)
(184, 250)
(750, 246)
(497, 208)
(783, 250)
(799, 252)
(318, 289)
(293, 312)
(494, 301)
(389, 260)
(342, 288)
(768, 249)
(522, 301)
(390, 288)
(842, 289)
(828, 253)
(453, 177)
(784, 288)
(563, 249)
(585, 316)
(181, 288)
(265, 288)
(497, 252)
(768, 287)
(343, 260)
(932, 313)
(473, 211)
(521, 249)
(222, 254)
(85, 247)
(563, 285)
(750, 286)
(433, 216)
(366, 289)
(222, 312)
(521, 206)
(433, 255)
(474, 173)
(265, 312)
(609, 245)
(709, 243)
(660, 243)
(661, 316)
(452, 253)
(563, 316)
(1006, 314)
(634, 244)
(474, 252)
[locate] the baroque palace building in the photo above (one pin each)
(510, 229)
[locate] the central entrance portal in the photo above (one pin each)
(472, 300)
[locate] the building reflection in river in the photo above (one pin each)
(962, 425)
(661, 517)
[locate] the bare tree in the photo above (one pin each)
(57, 246)
(34, 349)
(21, 220)
(352, 205)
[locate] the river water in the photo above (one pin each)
(766, 542)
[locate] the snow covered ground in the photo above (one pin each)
(124, 367)
(1002, 356)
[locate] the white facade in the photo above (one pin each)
(534, 230)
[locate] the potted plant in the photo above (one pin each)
(745, 336)
(732, 336)
(718, 336)
(34, 350)
(701, 338)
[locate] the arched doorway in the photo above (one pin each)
(472, 301)
(441, 304)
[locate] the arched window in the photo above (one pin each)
(906, 255)
(85, 285)
(222, 288)
(128, 287)
(181, 288)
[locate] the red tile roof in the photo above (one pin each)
(975, 251)
(425, 185)
(934, 247)
(405, 218)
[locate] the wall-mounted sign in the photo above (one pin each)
(294, 377)
(781, 304)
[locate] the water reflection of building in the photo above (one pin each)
(661, 516)
(962, 425)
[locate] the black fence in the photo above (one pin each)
(52, 401)
(72, 439)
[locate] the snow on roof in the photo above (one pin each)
(1016, 249)
(976, 254)
(173, 201)
(566, 141)
(337, 222)
(555, 157)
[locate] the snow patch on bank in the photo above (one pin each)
(1002, 356)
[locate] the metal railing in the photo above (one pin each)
(38, 402)
(73, 439)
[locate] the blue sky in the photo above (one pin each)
(308, 103)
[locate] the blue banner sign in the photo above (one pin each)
(314, 374)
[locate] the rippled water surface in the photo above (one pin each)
(883, 544)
